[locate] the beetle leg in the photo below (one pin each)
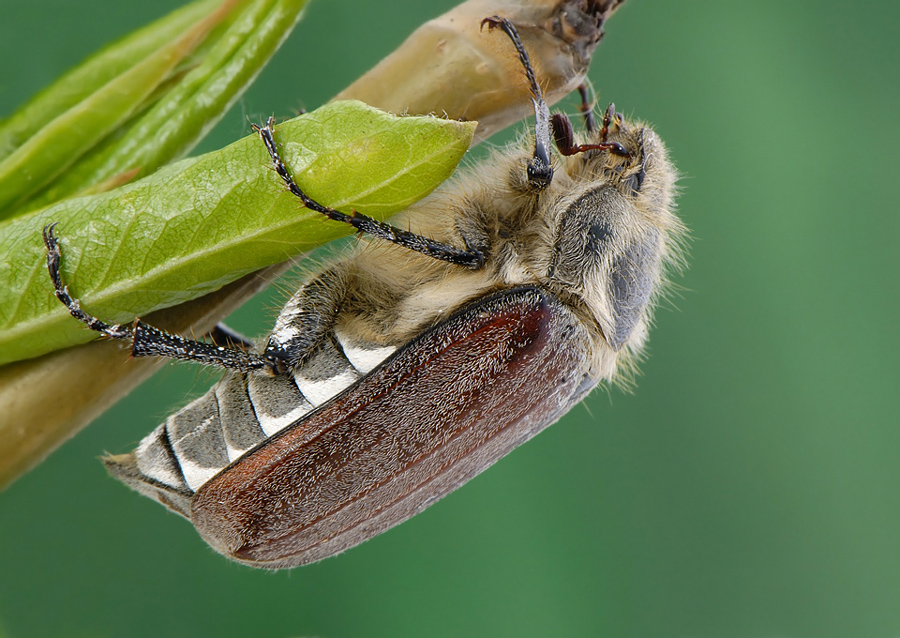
(469, 258)
(540, 171)
(306, 320)
(145, 339)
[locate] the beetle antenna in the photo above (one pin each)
(540, 172)
(586, 91)
(565, 139)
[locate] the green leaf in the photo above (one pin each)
(153, 111)
(194, 226)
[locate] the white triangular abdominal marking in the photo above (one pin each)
(243, 410)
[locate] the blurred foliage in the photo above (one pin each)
(746, 489)
(138, 103)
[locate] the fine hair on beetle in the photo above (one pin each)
(405, 367)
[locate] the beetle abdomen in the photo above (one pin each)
(238, 413)
(439, 411)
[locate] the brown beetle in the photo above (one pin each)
(402, 370)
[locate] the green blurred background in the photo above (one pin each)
(747, 488)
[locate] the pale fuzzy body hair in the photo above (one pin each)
(392, 294)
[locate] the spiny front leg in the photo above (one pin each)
(145, 339)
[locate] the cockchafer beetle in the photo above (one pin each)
(402, 370)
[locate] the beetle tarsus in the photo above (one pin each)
(145, 339)
(114, 331)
